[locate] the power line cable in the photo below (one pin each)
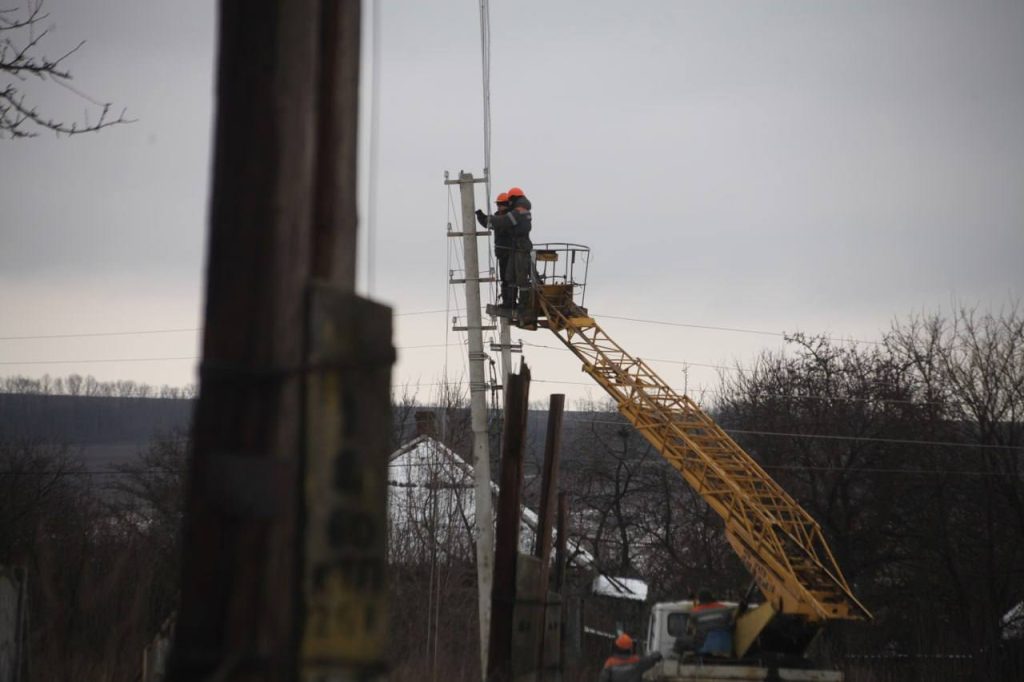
(371, 200)
(411, 465)
(171, 358)
(97, 360)
(726, 329)
(173, 330)
(906, 401)
(89, 334)
(824, 436)
(485, 69)
(446, 310)
(673, 362)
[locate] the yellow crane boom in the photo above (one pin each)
(779, 542)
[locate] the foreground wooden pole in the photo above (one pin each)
(517, 400)
(270, 548)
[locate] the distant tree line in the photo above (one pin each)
(77, 385)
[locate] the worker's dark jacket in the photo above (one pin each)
(503, 237)
(512, 229)
(512, 232)
(621, 668)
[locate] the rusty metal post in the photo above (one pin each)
(517, 398)
(549, 484)
(546, 513)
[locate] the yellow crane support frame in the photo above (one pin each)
(779, 542)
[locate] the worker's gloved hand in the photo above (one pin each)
(481, 218)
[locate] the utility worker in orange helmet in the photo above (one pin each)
(504, 243)
(512, 238)
(624, 665)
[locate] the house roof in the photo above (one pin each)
(414, 463)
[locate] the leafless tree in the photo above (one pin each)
(881, 444)
(431, 562)
(971, 366)
(23, 33)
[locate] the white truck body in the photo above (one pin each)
(668, 620)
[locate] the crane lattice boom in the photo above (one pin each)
(777, 540)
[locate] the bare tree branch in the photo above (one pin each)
(20, 57)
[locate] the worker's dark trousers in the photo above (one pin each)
(508, 284)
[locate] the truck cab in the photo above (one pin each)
(681, 636)
(673, 630)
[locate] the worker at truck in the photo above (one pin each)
(513, 227)
(712, 622)
(624, 665)
(706, 601)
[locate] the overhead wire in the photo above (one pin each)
(781, 396)
(411, 465)
(445, 310)
(371, 200)
(485, 69)
(740, 330)
(172, 330)
(824, 436)
(485, 72)
(452, 290)
(172, 358)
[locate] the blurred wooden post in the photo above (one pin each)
(282, 214)
(546, 515)
(237, 616)
(517, 399)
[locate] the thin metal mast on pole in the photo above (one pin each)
(478, 412)
(506, 349)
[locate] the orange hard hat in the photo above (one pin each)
(516, 192)
(502, 198)
(624, 642)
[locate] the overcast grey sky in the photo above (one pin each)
(815, 166)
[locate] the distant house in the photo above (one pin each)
(431, 487)
(431, 508)
(430, 502)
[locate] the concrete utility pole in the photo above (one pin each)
(478, 409)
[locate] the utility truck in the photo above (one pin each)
(780, 544)
(685, 638)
